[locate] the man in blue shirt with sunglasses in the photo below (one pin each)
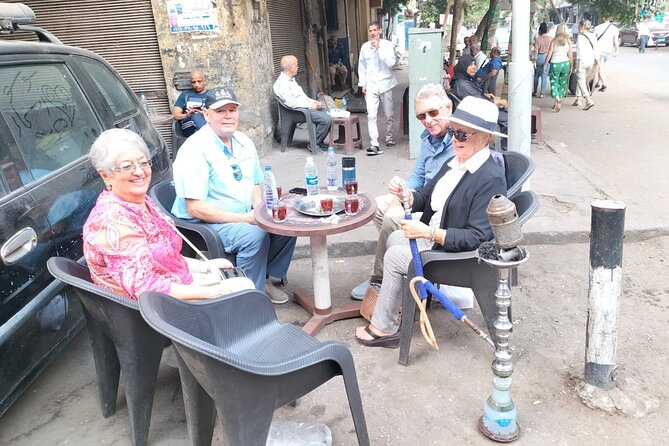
(218, 180)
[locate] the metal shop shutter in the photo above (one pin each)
(121, 31)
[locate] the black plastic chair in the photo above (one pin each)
(517, 169)
(201, 235)
(454, 100)
(121, 342)
(460, 269)
(289, 118)
(178, 137)
(237, 360)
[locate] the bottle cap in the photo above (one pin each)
(330, 149)
(348, 161)
(309, 158)
(268, 167)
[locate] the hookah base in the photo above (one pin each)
(499, 437)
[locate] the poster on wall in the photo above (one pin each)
(191, 15)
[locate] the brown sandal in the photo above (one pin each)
(388, 341)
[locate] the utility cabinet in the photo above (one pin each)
(426, 65)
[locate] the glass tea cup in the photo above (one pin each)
(327, 204)
(351, 204)
(279, 192)
(351, 187)
(279, 212)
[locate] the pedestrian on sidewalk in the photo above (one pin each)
(607, 37)
(644, 34)
(454, 218)
(561, 63)
(376, 78)
(433, 109)
(587, 53)
(541, 46)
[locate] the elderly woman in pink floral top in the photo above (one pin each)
(129, 244)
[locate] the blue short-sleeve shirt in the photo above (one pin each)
(202, 171)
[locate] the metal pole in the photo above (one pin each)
(606, 255)
(520, 80)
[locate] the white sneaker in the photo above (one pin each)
(276, 293)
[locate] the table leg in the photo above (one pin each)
(320, 303)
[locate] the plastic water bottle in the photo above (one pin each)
(311, 175)
(145, 103)
(269, 188)
(343, 102)
(331, 164)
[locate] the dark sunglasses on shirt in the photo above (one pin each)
(236, 171)
(460, 135)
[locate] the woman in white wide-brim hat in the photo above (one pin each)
(454, 216)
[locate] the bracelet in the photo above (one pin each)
(433, 234)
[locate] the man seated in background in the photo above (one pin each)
(188, 107)
(486, 76)
(336, 66)
(287, 89)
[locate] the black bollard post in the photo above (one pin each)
(606, 255)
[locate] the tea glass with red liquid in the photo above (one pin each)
(351, 187)
(279, 192)
(351, 204)
(279, 212)
(327, 204)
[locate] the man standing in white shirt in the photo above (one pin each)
(288, 90)
(376, 78)
(607, 38)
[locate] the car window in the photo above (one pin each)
(48, 116)
(118, 100)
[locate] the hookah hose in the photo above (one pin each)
(425, 285)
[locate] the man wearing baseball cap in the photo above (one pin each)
(218, 180)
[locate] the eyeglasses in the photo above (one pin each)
(460, 135)
(131, 167)
(431, 113)
(236, 171)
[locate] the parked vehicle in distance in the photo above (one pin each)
(54, 101)
(628, 36)
(660, 36)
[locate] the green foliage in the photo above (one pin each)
(430, 10)
(625, 11)
(392, 7)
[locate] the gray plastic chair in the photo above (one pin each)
(237, 360)
(460, 269)
(289, 119)
(121, 342)
(178, 137)
(517, 169)
(200, 234)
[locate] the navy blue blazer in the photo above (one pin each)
(464, 217)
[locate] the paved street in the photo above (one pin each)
(616, 150)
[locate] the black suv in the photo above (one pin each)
(54, 101)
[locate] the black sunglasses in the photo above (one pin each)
(460, 135)
(431, 113)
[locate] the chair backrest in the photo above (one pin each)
(527, 204)
(517, 169)
(215, 327)
(178, 137)
(73, 273)
(163, 194)
(454, 99)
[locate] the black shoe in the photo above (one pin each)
(390, 144)
(374, 150)
(315, 151)
(323, 146)
(603, 88)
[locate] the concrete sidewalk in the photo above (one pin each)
(565, 182)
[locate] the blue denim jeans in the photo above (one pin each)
(540, 71)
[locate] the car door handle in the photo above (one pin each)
(18, 245)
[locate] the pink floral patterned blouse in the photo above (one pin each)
(131, 248)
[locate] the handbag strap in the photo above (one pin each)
(602, 34)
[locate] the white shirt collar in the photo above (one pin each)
(473, 163)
